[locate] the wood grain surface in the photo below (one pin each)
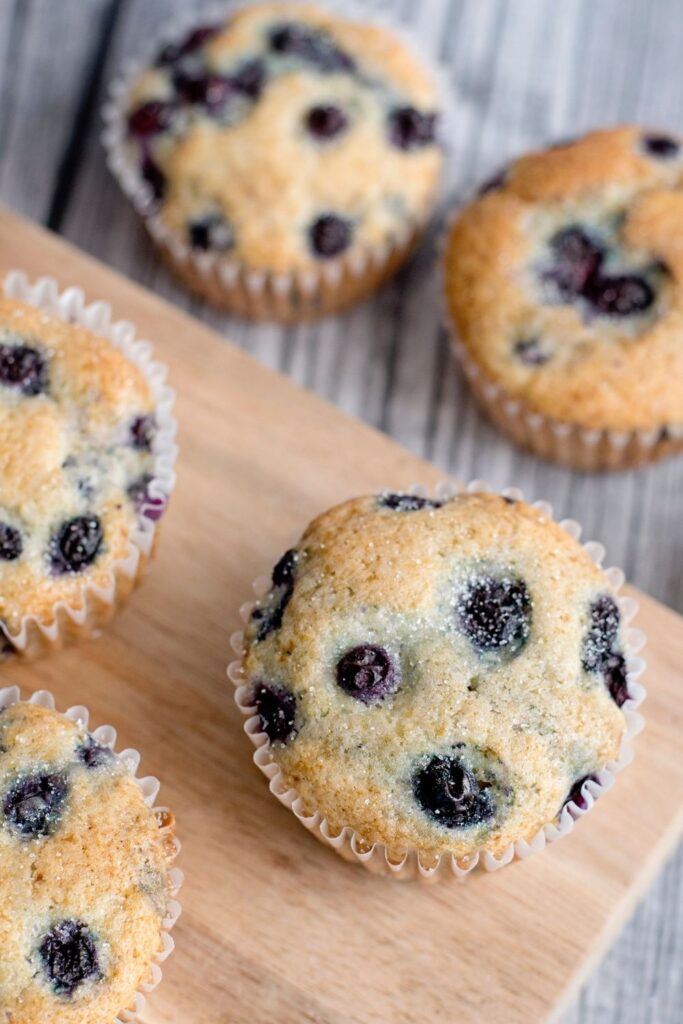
(275, 925)
(525, 72)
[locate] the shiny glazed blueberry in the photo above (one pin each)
(69, 956)
(326, 121)
(661, 146)
(23, 368)
(406, 502)
(410, 128)
(193, 41)
(621, 295)
(310, 45)
(276, 709)
(151, 118)
(530, 352)
(368, 673)
(577, 257)
(450, 794)
(211, 232)
(495, 614)
(11, 544)
(33, 805)
(92, 755)
(76, 544)
(143, 430)
(330, 235)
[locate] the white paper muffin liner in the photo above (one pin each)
(375, 857)
(561, 441)
(105, 736)
(223, 279)
(38, 635)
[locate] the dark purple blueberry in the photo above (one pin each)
(576, 259)
(76, 544)
(150, 507)
(575, 795)
(92, 755)
(211, 232)
(211, 91)
(496, 181)
(276, 708)
(310, 45)
(69, 956)
(406, 502)
(283, 572)
(621, 295)
(616, 678)
(326, 121)
(6, 647)
(602, 638)
(154, 177)
(150, 118)
(368, 673)
(661, 146)
(495, 614)
(268, 616)
(330, 235)
(410, 128)
(530, 352)
(250, 78)
(143, 431)
(451, 794)
(11, 544)
(33, 805)
(24, 368)
(196, 38)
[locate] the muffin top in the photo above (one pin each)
(438, 676)
(285, 137)
(77, 430)
(564, 280)
(83, 873)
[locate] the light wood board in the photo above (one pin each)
(275, 926)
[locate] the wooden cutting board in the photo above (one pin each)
(277, 928)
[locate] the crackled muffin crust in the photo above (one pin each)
(438, 676)
(564, 280)
(286, 137)
(77, 432)
(83, 874)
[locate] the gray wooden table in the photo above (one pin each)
(525, 71)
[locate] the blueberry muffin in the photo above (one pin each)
(564, 282)
(77, 460)
(441, 677)
(285, 142)
(84, 874)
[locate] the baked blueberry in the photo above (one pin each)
(410, 128)
(172, 53)
(310, 45)
(150, 507)
(151, 118)
(92, 755)
(326, 121)
(575, 796)
(143, 430)
(283, 572)
(69, 956)
(250, 78)
(616, 678)
(268, 617)
(212, 91)
(211, 232)
(661, 146)
(33, 805)
(602, 638)
(406, 502)
(154, 177)
(577, 256)
(11, 544)
(531, 352)
(368, 673)
(276, 709)
(23, 367)
(76, 544)
(330, 235)
(450, 793)
(495, 614)
(619, 295)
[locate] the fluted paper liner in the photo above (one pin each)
(105, 735)
(375, 857)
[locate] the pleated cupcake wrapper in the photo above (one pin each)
(105, 736)
(376, 857)
(39, 635)
(558, 440)
(223, 279)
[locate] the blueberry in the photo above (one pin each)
(92, 755)
(24, 368)
(250, 78)
(212, 91)
(451, 794)
(368, 673)
(575, 796)
(6, 647)
(150, 507)
(662, 146)
(276, 708)
(197, 37)
(621, 295)
(495, 614)
(33, 805)
(616, 678)
(576, 259)
(330, 235)
(211, 232)
(326, 121)
(150, 118)
(11, 544)
(406, 502)
(283, 572)
(410, 128)
(530, 352)
(310, 45)
(76, 544)
(69, 956)
(603, 634)
(143, 431)
(268, 617)
(154, 177)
